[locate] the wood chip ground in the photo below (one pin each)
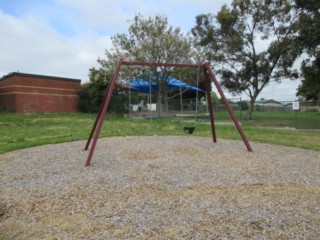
(161, 187)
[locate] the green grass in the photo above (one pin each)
(2, 237)
(299, 120)
(22, 131)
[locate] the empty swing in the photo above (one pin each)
(190, 129)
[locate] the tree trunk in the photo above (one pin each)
(162, 105)
(251, 108)
(159, 106)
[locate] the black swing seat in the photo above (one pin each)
(188, 129)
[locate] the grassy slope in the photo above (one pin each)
(21, 131)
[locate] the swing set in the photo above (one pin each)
(189, 129)
(208, 74)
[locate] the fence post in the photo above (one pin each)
(295, 108)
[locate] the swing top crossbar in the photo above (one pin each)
(208, 74)
(155, 64)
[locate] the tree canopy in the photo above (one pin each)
(93, 92)
(308, 41)
(310, 84)
(150, 39)
(250, 44)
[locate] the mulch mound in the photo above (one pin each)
(166, 187)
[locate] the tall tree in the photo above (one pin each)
(92, 93)
(249, 44)
(308, 41)
(154, 40)
(310, 84)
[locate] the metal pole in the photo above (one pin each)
(129, 108)
(96, 121)
(207, 71)
(181, 103)
(197, 95)
(243, 136)
(155, 64)
(150, 93)
(103, 111)
(209, 102)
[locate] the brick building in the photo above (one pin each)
(29, 93)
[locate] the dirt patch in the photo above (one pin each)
(140, 155)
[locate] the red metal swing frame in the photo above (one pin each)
(208, 73)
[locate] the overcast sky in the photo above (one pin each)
(66, 37)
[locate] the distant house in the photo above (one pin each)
(267, 104)
(29, 93)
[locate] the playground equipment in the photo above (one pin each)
(208, 73)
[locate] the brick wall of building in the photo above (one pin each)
(28, 93)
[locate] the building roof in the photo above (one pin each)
(38, 76)
(265, 101)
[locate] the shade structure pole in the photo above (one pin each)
(181, 102)
(129, 108)
(209, 102)
(150, 93)
(104, 108)
(234, 118)
(197, 95)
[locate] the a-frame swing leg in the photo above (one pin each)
(234, 118)
(97, 119)
(209, 102)
(103, 109)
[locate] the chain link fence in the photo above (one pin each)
(272, 113)
(267, 113)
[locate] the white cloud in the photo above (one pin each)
(66, 37)
(109, 16)
(284, 91)
(28, 45)
(113, 15)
